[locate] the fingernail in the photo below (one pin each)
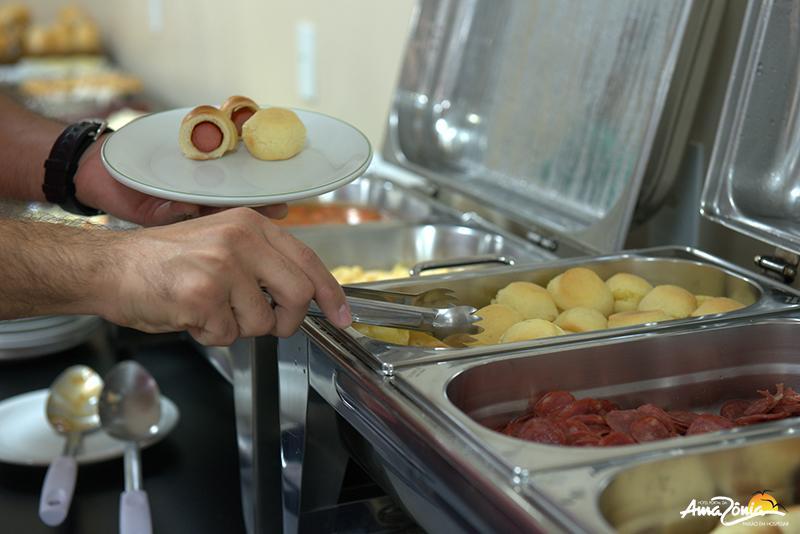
(345, 319)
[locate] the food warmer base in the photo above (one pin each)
(420, 433)
(690, 369)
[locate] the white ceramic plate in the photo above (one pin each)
(27, 438)
(145, 155)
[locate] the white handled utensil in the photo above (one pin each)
(71, 410)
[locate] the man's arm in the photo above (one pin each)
(52, 268)
(204, 276)
(25, 142)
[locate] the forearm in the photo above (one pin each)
(54, 268)
(25, 142)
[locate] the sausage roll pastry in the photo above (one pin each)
(206, 133)
(239, 109)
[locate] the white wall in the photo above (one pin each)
(209, 49)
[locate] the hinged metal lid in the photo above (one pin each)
(753, 181)
(549, 111)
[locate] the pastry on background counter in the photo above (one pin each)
(206, 133)
(239, 109)
(581, 320)
(581, 288)
(274, 134)
(531, 300)
(672, 300)
(628, 289)
(530, 329)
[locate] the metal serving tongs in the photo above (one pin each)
(386, 309)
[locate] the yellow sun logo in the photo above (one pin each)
(762, 501)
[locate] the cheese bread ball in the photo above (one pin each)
(531, 300)
(274, 134)
(717, 305)
(630, 318)
(495, 320)
(581, 320)
(628, 289)
(530, 329)
(581, 288)
(423, 339)
(672, 300)
(395, 336)
(702, 298)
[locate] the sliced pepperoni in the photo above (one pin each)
(542, 430)
(790, 409)
(708, 423)
(206, 136)
(583, 407)
(513, 426)
(791, 395)
(616, 438)
(607, 406)
(648, 428)
(594, 422)
(552, 402)
(585, 440)
(682, 420)
(572, 426)
(760, 418)
(654, 411)
(760, 406)
(620, 420)
(734, 408)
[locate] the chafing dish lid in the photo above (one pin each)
(753, 181)
(547, 111)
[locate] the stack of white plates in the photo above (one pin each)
(35, 336)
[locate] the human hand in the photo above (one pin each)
(205, 276)
(96, 188)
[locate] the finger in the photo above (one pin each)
(288, 286)
(327, 291)
(252, 311)
(275, 211)
(219, 330)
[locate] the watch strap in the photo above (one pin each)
(62, 164)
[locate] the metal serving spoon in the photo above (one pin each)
(130, 408)
(71, 410)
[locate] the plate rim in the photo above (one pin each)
(109, 454)
(235, 200)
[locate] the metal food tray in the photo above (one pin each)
(686, 369)
(694, 270)
(393, 201)
(381, 246)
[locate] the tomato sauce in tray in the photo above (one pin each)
(311, 214)
(558, 418)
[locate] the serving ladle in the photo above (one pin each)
(130, 409)
(71, 410)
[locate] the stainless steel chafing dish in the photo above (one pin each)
(562, 160)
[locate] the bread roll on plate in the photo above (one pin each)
(581, 288)
(581, 320)
(495, 320)
(531, 300)
(717, 305)
(274, 134)
(239, 109)
(530, 329)
(206, 133)
(628, 289)
(672, 300)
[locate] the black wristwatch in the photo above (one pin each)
(61, 166)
